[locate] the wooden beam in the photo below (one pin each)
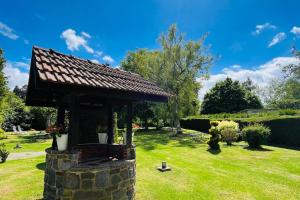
(129, 125)
(59, 120)
(73, 139)
(110, 124)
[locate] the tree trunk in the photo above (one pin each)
(176, 115)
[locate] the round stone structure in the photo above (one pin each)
(68, 179)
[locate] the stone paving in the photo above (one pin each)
(22, 155)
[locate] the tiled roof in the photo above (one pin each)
(55, 67)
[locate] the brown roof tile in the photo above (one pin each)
(59, 68)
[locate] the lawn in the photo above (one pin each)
(234, 173)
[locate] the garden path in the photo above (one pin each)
(22, 155)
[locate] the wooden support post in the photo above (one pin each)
(59, 120)
(73, 137)
(129, 125)
(110, 124)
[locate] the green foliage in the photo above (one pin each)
(285, 93)
(144, 111)
(21, 92)
(40, 116)
(3, 153)
(175, 68)
(202, 125)
(2, 134)
(215, 136)
(229, 96)
(3, 80)
(14, 113)
(285, 129)
(116, 135)
(255, 134)
(293, 70)
(287, 112)
(228, 130)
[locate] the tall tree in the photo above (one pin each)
(3, 86)
(229, 96)
(3, 81)
(285, 93)
(182, 63)
(21, 92)
(175, 67)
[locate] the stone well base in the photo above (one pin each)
(66, 179)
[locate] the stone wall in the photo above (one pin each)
(66, 179)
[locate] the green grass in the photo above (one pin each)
(234, 173)
(28, 141)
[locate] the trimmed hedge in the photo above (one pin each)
(284, 131)
(202, 125)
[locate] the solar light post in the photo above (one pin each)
(163, 164)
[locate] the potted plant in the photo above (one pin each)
(61, 136)
(102, 134)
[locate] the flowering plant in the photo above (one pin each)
(56, 130)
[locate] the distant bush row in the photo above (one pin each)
(285, 130)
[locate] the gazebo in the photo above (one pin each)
(87, 93)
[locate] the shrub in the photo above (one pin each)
(215, 136)
(287, 112)
(202, 125)
(3, 153)
(229, 131)
(254, 134)
(2, 134)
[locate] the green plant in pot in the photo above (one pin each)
(101, 130)
(61, 135)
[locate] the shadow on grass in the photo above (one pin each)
(41, 166)
(36, 138)
(284, 146)
(214, 152)
(148, 140)
(257, 149)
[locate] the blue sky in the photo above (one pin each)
(243, 35)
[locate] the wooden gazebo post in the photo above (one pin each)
(59, 120)
(129, 125)
(74, 122)
(110, 124)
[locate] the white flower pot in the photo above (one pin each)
(102, 138)
(62, 142)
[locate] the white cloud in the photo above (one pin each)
(262, 27)
(85, 34)
(98, 53)
(279, 37)
(74, 42)
(261, 76)
(108, 59)
(296, 31)
(95, 61)
(21, 65)
(26, 41)
(15, 76)
(7, 31)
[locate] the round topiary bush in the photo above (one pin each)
(3, 153)
(2, 134)
(255, 134)
(229, 131)
(215, 136)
